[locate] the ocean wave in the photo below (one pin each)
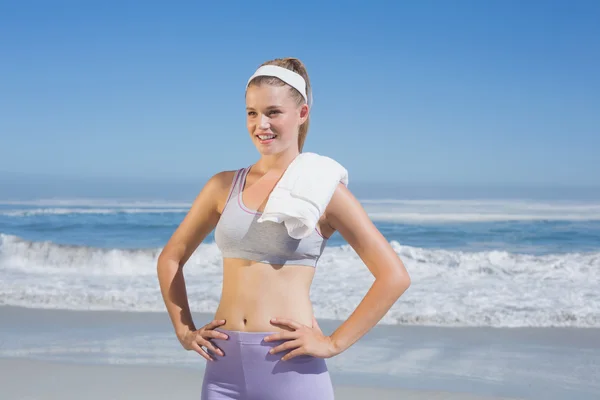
(406, 211)
(450, 288)
(89, 211)
(480, 210)
(90, 203)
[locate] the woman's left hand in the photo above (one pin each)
(305, 340)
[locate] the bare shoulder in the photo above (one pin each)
(201, 218)
(221, 179)
(219, 185)
(345, 214)
(213, 194)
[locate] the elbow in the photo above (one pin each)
(161, 263)
(394, 286)
(400, 283)
(404, 280)
(171, 256)
(165, 261)
(407, 282)
(399, 280)
(161, 260)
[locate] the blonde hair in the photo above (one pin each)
(298, 67)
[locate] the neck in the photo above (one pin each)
(276, 162)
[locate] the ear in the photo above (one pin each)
(304, 111)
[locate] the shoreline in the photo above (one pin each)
(100, 315)
(407, 360)
(47, 380)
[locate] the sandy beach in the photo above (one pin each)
(55, 354)
(40, 380)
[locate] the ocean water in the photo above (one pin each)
(495, 263)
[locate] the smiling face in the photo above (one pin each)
(273, 117)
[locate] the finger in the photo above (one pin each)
(286, 346)
(210, 345)
(286, 335)
(214, 334)
(286, 322)
(294, 353)
(201, 351)
(213, 324)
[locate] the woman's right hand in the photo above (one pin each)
(195, 340)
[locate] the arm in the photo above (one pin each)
(200, 220)
(346, 215)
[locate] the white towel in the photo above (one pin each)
(303, 192)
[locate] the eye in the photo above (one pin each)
(251, 113)
(273, 112)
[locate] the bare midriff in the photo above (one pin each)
(254, 293)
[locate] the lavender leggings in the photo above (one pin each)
(249, 372)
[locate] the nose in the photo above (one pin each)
(264, 122)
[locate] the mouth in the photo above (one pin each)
(266, 138)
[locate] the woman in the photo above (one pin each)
(264, 342)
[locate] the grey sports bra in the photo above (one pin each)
(238, 234)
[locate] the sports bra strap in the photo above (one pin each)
(235, 186)
(242, 179)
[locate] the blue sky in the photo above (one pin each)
(422, 92)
